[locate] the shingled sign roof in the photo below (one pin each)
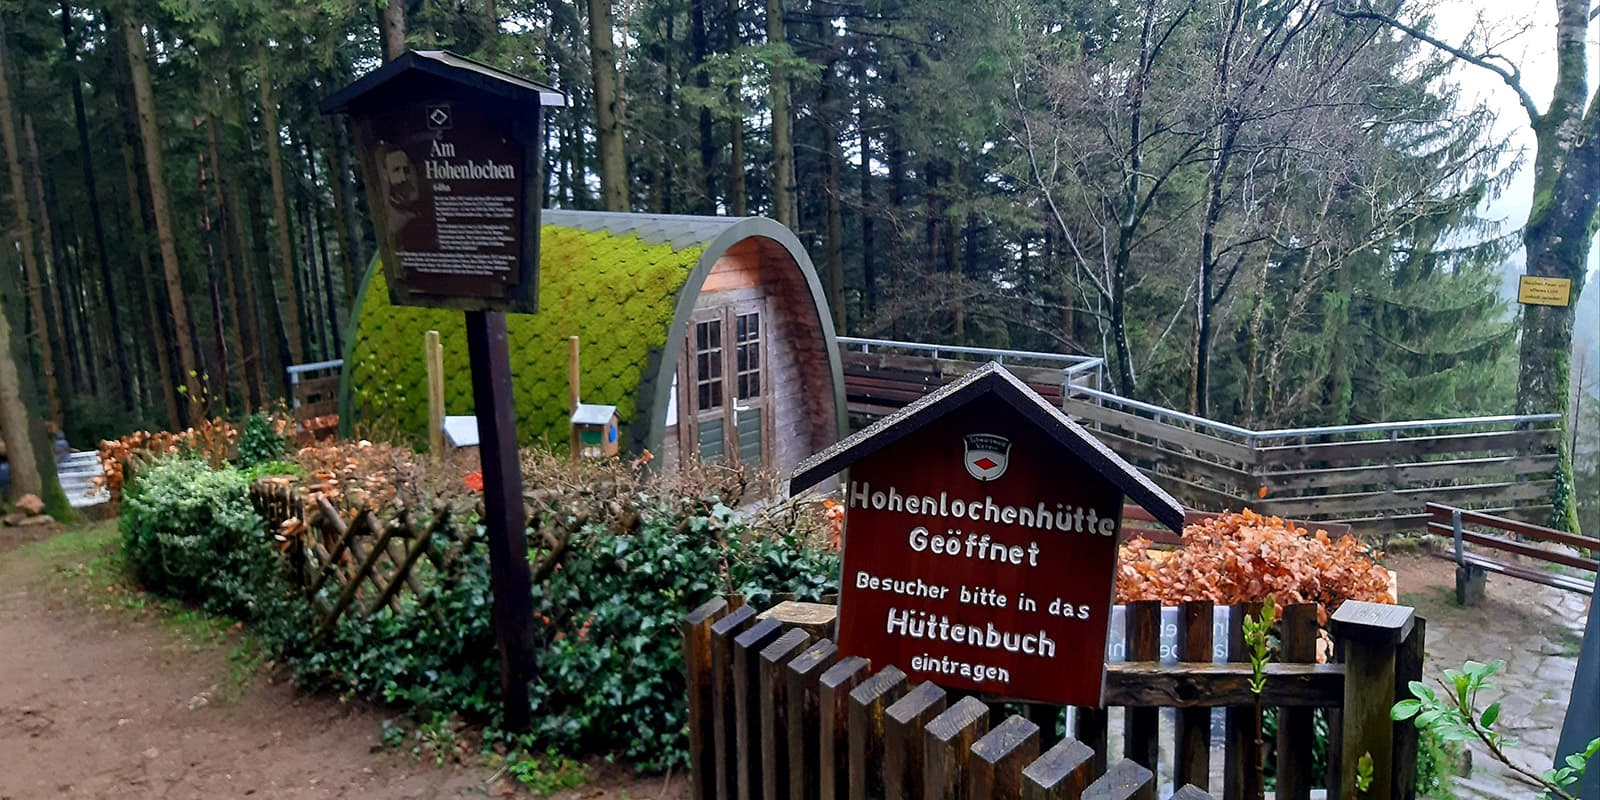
(992, 378)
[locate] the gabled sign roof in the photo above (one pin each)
(451, 67)
(992, 378)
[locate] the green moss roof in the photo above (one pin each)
(616, 292)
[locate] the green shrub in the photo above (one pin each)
(189, 532)
(260, 442)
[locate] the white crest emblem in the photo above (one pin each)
(987, 455)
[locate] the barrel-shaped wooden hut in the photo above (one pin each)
(710, 335)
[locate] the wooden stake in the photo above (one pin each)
(433, 354)
(572, 374)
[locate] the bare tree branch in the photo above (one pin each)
(1512, 76)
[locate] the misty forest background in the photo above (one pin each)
(1263, 211)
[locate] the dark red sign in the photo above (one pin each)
(980, 554)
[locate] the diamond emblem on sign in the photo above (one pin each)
(987, 455)
(438, 117)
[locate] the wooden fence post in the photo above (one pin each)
(805, 782)
(1091, 726)
(950, 737)
(1193, 736)
(433, 356)
(867, 704)
(1371, 634)
(903, 747)
(697, 666)
(1143, 724)
(833, 708)
(1061, 773)
(1298, 644)
(1240, 778)
(775, 712)
(747, 737)
(1407, 668)
(998, 758)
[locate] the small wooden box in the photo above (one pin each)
(594, 431)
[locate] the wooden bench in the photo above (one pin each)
(1136, 521)
(1472, 568)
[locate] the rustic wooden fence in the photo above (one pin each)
(777, 712)
(1376, 478)
(365, 564)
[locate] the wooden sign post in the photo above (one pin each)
(450, 152)
(980, 541)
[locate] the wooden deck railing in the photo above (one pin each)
(1375, 478)
(776, 711)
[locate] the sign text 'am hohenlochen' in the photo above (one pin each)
(980, 541)
(451, 155)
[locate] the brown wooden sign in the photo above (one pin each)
(450, 152)
(980, 542)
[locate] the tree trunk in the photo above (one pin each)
(394, 29)
(17, 427)
(150, 136)
(738, 196)
(51, 270)
(345, 233)
(895, 145)
(330, 299)
(700, 43)
(287, 304)
(608, 121)
(113, 302)
(237, 272)
(835, 217)
(157, 327)
(30, 256)
(869, 254)
(782, 127)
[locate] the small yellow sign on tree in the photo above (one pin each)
(1538, 291)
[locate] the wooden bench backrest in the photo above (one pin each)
(1442, 522)
(1136, 521)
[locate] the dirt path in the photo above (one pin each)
(96, 702)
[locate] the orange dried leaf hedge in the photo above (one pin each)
(1245, 557)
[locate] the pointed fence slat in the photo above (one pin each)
(868, 703)
(697, 666)
(833, 709)
(724, 707)
(949, 739)
(1143, 724)
(774, 688)
(788, 716)
(903, 748)
(999, 757)
(747, 732)
(1062, 773)
(805, 723)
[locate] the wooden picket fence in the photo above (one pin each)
(777, 712)
(366, 564)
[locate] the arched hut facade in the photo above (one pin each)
(710, 335)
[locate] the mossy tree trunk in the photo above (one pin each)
(607, 108)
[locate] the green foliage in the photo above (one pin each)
(261, 442)
(269, 468)
(611, 667)
(1257, 638)
(543, 773)
(1363, 774)
(189, 532)
(1454, 717)
(617, 293)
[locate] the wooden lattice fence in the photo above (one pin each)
(367, 564)
(776, 711)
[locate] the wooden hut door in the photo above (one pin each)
(727, 397)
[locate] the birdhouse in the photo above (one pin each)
(594, 431)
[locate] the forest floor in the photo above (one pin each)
(105, 692)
